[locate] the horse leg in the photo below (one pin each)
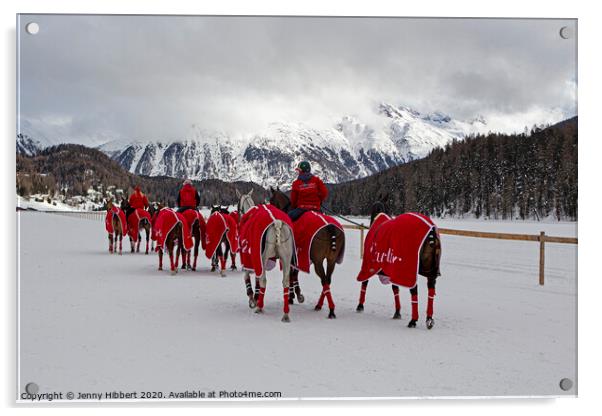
(256, 295)
(360, 305)
(120, 239)
(329, 270)
(132, 244)
(249, 287)
(138, 244)
(172, 266)
(147, 238)
(414, 293)
(397, 314)
(233, 260)
(196, 252)
(430, 322)
(286, 269)
(111, 243)
(319, 268)
(160, 259)
(262, 282)
(222, 262)
(213, 262)
(178, 250)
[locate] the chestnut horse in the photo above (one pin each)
(117, 226)
(143, 223)
(326, 245)
(223, 248)
(429, 258)
(173, 237)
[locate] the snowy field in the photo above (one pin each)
(94, 322)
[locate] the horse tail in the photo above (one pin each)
(332, 230)
(278, 232)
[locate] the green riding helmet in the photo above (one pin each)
(304, 166)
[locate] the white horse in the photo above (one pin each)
(278, 243)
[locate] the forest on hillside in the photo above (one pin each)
(499, 176)
(71, 170)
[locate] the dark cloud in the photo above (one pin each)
(89, 78)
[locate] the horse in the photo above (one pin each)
(169, 231)
(428, 258)
(223, 248)
(276, 241)
(196, 222)
(327, 245)
(143, 222)
(115, 224)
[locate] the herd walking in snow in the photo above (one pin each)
(292, 230)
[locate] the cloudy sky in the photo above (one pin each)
(91, 79)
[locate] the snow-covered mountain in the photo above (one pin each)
(350, 149)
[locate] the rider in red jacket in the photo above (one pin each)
(138, 200)
(308, 192)
(188, 197)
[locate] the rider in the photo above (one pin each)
(188, 197)
(308, 192)
(138, 200)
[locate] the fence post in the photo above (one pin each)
(361, 242)
(542, 256)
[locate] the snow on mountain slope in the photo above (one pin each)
(350, 149)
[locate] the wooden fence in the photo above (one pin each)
(542, 238)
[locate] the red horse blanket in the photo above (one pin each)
(109, 220)
(393, 246)
(305, 229)
(134, 222)
(166, 220)
(191, 216)
(219, 224)
(253, 225)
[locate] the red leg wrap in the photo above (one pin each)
(286, 307)
(328, 296)
(415, 307)
(222, 262)
(396, 296)
(260, 298)
(173, 267)
(363, 292)
(321, 300)
(429, 306)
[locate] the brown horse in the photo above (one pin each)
(144, 224)
(116, 224)
(326, 246)
(429, 259)
(174, 236)
(223, 248)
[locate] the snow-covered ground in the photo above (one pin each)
(94, 322)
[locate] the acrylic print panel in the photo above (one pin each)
(137, 133)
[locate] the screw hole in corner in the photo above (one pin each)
(32, 28)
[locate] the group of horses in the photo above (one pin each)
(277, 243)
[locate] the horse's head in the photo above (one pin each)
(279, 199)
(379, 206)
(245, 202)
(125, 204)
(215, 208)
(430, 255)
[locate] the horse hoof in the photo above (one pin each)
(331, 314)
(174, 272)
(252, 303)
(397, 315)
(193, 269)
(412, 324)
(222, 273)
(160, 268)
(212, 268)
(360, 308)
(300, 298)
(259, 310)
(285, 318)
(318, 308)
(291, 301)
(430, 323)
(233, 268)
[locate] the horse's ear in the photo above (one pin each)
(238, 195)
